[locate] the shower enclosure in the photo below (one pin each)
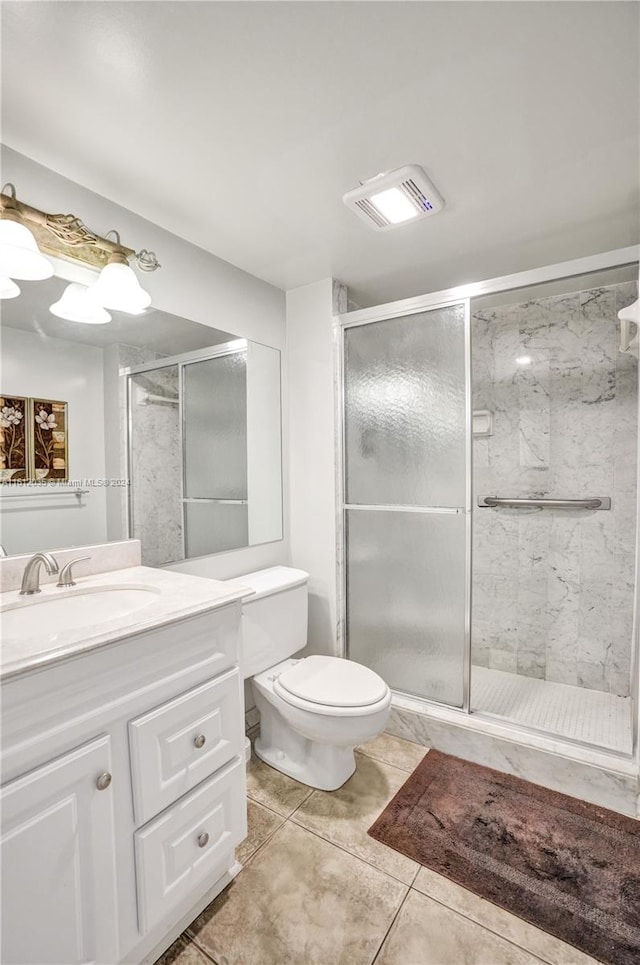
(489, 491)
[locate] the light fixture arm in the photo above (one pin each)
(65, 235)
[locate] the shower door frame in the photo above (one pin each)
(617, 258)
(399, 312)
(181, 360)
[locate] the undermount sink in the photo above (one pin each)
(71, 611)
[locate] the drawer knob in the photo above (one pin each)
(103, 781)
(203, 840)
(199, 741)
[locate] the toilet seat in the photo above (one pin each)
(331, 686)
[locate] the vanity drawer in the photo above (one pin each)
(178, 744)
(192, 841)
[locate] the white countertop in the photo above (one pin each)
(177, 596)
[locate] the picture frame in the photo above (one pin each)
(14, 438)
(49, 450)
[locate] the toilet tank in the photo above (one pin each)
(274, 621)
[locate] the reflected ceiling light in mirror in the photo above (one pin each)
(118, 288)
(78, 304)
(8, 288)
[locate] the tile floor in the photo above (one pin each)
(317, 890)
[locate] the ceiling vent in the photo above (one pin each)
(394, 198)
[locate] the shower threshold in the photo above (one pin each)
(589, 716)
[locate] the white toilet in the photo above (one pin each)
(315, 710)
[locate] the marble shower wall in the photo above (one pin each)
(553, 589)
(157, 466)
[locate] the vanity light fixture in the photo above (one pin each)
(118, 288)
(394, 198)
(20, 256)
(26, 232)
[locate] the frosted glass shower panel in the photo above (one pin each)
(405, 410)
(406, 579)
(215, 427)
(213, 527)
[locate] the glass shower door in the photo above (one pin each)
(215, 454)
(407, 500)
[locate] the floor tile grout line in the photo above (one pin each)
(298, 806)
(398, 767)
(256, 800)
(391, 924)
(492, 931)
(353, 854)
(314, 789)
(205, 951)
(265, 841)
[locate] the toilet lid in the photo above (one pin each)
(333, 682)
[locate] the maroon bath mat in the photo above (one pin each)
(571, 868)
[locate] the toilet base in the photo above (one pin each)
(317, 765)
(307, 743)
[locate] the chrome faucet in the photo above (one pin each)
(66, 576)
(31, 576)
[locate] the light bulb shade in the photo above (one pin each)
(8, 288)
(20, 256)
(78, 304)
(118, 288)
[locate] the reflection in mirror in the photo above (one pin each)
(202, 415)
(204, 452)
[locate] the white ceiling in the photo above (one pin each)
(239, 125)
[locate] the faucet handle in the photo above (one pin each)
(66, 577)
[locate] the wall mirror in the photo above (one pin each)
(172, 434)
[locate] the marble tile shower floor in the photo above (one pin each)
(315, 889)
(586, 715)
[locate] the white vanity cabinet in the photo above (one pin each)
(123, 793)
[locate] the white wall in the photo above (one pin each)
(53, 368)
(192, 283)
(310, 363)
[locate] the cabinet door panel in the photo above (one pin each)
(58, 866)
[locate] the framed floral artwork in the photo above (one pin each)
(14, 451)
(49, 455)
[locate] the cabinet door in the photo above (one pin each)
(58, 862)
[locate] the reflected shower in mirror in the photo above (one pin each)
(204, 452)
(45, 357)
